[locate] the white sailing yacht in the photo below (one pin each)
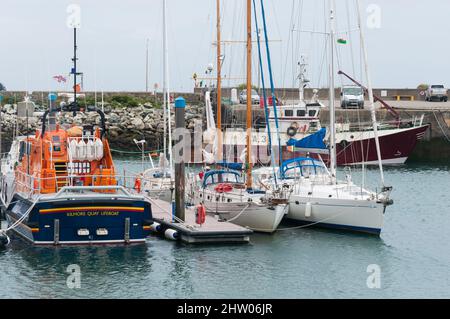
(158, 181)
(223, 192)
(319, 198)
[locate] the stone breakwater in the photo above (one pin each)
(123, 124)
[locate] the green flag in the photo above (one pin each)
(342, 41)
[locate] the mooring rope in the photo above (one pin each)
(238, 215)
(137, 153)
(439, 124)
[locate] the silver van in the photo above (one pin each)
(352, 97)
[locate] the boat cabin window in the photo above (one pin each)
(305, 168)
(288, 113)
(301, 113)
(312, 113)
(222, 177)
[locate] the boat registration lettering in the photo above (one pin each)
(93, 213)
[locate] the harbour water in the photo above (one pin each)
(412, 255)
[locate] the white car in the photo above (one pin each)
(436, 93)
(243, 97)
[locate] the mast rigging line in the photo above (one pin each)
(249, 89)
(298, 39)
(272, 86)
(266, 110)
(371, 96)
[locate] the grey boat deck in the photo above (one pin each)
(212, 231)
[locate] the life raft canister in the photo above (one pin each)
(223, 188)
(200, 215)
(137, 184)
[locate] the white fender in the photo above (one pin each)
(155, 227)
(171, 234)
(90, 151)
(73, 150)
(98, 149)
(308, 209)
(81, 150)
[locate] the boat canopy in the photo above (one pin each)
(303, 165)
(221, 176)
(313, 143)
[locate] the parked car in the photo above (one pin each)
(436, 93)
(352, 96)
(254, 96)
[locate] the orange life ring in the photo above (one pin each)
(137, 185)
(223, 188)
(200, 215)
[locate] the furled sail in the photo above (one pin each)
(313, 143)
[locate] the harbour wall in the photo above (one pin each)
(40, 97)
(388, 94)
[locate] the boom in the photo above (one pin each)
(390, 109)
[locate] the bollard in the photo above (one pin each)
(180, 124)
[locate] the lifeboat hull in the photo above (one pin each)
(80, 222)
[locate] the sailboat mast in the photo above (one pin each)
(332, 97)
(249, 92)
(75, 66)
(219, 85)
(168, 129)
(370, 90)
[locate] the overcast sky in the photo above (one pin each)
(410, 46)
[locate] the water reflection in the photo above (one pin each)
(292, 263)
(44, 269)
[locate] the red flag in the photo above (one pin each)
(77, 88)
(60, 78)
